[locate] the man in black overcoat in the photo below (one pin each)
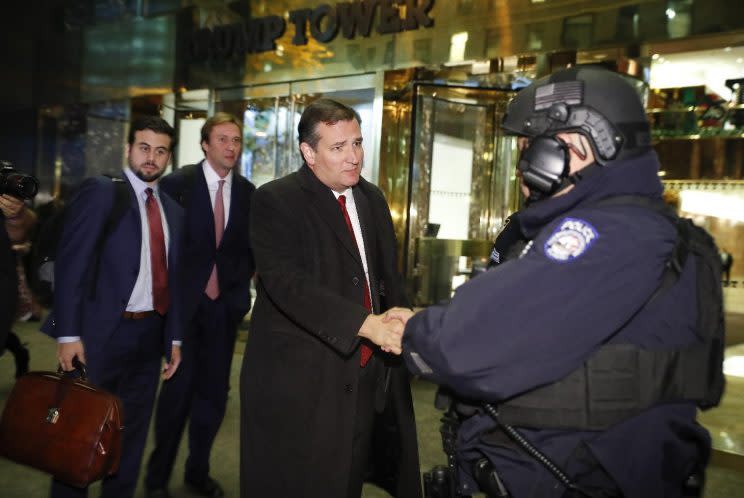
(318, 418)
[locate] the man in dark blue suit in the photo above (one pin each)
(219, 264)
(117, 306)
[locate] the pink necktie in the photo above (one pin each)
(158, 259)
(366, 350)
(213, 286)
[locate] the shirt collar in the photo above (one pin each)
(348, 193)
(138, 184)
(212, 177)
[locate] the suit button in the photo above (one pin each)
(349, 388)
(355, 280)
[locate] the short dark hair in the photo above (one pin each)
(218, 119)
(322, 111)
(153, 123)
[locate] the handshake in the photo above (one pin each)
(386, 330)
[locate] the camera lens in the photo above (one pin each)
(17, 184)
(22, 186)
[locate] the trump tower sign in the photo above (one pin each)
(323, 23)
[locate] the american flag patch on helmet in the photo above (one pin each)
(567, 92)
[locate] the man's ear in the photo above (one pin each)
(308, 153)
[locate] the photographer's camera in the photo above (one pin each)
(17, 184)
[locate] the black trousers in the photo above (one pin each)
(197, 393)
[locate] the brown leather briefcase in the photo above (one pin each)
(63, 426)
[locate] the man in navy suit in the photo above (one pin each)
(117, 307)
(218, 263)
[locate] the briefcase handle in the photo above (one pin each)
(79, 366)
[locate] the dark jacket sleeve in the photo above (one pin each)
(242, 264)
(174, 325)
(531, 321)
(85, 217)
(283, 272)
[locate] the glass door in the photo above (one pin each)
(462, 186)
(265, 111)
(271, 114)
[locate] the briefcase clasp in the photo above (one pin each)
(52, 415)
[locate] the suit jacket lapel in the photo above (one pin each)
(134, 211)
(168, 208)
(201, 192)
(325, 202)
(366, 221)
(236, 196)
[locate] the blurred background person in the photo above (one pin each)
(17, 221)
(727, 261)
(14, 212)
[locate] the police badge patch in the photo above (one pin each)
(570, 240)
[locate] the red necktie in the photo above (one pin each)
(158, 260)
(213, 286)
(366, 350)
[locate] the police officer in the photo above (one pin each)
(573, 314)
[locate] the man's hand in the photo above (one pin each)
(388, 335)
(400, 314)
(11, 206)
(66, 351)
(24, 248)
(170, 367)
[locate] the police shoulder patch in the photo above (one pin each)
(570, 240)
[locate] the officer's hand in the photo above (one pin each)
(11, 206)
(170, 367)
(388, 335)
(400, 314)
(66, 351)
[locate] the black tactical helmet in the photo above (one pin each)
(591, 100)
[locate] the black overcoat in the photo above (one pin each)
(301, 363)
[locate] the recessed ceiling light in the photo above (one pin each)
(655, 56)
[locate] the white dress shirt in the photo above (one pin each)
(354, 218)
(141, 298)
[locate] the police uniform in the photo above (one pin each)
(531, 321)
